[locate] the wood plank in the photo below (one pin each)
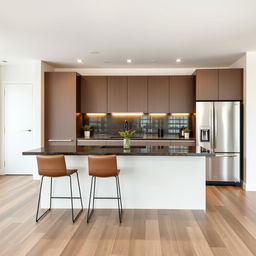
(227, 227)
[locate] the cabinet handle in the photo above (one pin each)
(52, 140)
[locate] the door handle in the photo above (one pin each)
(29, 130)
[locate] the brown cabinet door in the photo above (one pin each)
(182, 98)
(207, 84)
(117, 94)
(158, 94)
(60, 108)
(230, 84)
(94, 94)
(137, 94)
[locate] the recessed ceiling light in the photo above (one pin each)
(129, 61)
(94, 52)
(79, 61)
(178, 60)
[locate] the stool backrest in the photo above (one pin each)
(52, 166)
(103, 166)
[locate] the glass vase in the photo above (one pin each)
(126, 143)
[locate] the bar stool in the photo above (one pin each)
(53, 167)
(103, 167)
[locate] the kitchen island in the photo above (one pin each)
(151, 177)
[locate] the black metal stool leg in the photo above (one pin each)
(120, 195)
(51, 194)
(118, 198)
(90, 211)
(71, 197)
(94, 188)
(79, 190)
(39, 200)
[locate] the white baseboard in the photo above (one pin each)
(249, 187)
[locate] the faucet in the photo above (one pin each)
(126, 125)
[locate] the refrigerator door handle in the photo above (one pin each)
(213, 127)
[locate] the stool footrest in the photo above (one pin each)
(100, 197)
(63, 197)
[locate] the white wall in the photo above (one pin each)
(26, 72)
(250, 116)
(241, 63)
(248, 63)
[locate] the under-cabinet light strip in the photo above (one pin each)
(96, 114)
(127, 114)
(157, 114)
(180, 114)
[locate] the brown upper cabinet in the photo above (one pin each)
(182, 94)
(230, 84)
(207, 87)
(61, 91)
(94, 91)
(158, 94)
(219, 84)
(117, 94)
(137, 94)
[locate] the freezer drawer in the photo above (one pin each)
(223, 167)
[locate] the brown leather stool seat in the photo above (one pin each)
(104, 173)
(104, 167)
(53, 167)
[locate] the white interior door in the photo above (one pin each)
(18, 128)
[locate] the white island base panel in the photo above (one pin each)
(147, 182)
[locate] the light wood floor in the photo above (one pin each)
(228, 227)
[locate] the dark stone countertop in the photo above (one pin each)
(109, 137)
(118, 150)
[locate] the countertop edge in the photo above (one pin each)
(118, 154)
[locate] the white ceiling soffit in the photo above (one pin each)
(105, 33)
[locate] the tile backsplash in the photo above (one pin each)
(145, 125)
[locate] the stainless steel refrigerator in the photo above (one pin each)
(218, 129)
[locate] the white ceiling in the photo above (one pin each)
(203, 33)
